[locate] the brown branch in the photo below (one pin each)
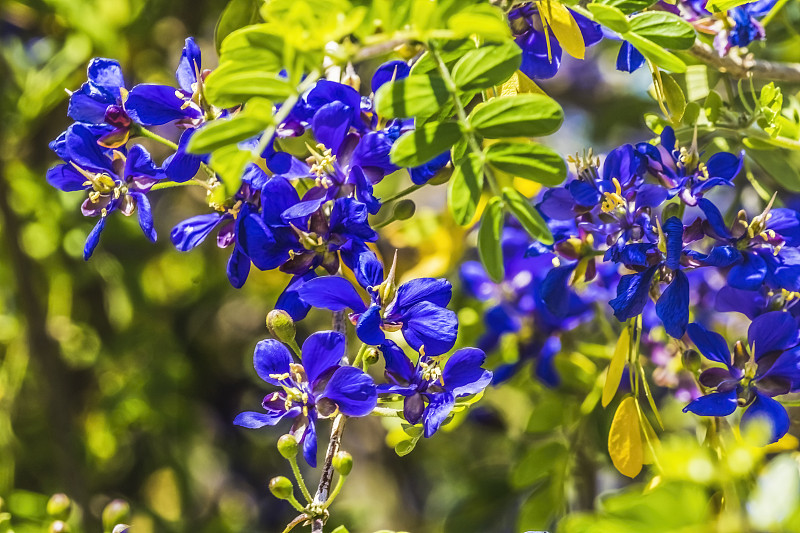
(745, 66)
(326, 479)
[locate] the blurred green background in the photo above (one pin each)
(119, 378)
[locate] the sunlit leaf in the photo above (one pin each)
(616, 366)
(625, 439)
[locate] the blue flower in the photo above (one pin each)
(100, 101)
(771, 368)
(257, 232)
(520, 303)
(325, 239)
(765, 248)
(319, 387)
(682, 172)
(417, 308)
(541, 51)
(115, 180)
(430, 391)
(151, 104)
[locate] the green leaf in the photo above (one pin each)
(655, 53)
(697, 86)
(225, 88)
(676, 101)
(691, 114)
(490, 247)
(718, 6)
(483, 20)
(540, 508)
(417, 95)
(229, 163)
(340, 529)
(257, 48)
(712, 106)
(610, 17)
(522, 115)
(464, 189)
(627, 6)
(527, 215)
(487, 66)
(219, 133)
(665, 29)
(528, 161)
(237, 14)
(450, 52)
(538, 463)
(424, 143)
(781, 165)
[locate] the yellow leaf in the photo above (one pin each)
(519, 83)
(564, 27)
(625, 439)
(616, 366)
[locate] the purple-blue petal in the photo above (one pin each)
(463, 375)
(426, 324)
(673, 306)
(771, 332)
(352, 391)
(765, 409)
(714, 404)
(271, 358)
(332, 293)
(710, 344)
(321, 351)
(439, 407)
(368, 327)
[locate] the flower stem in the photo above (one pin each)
(405, 192)
(299, 477)
(335, 491)
(144, 132)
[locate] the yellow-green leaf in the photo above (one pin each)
(616, 366)
(564, 27)
(625, 439)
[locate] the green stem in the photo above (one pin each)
(360, 354)
(335, 491)
(296, 504)
(144, 132)
(405, 192)
(299, 477)
(466, 127)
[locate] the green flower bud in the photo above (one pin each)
(281, 325)
(59, 506)
(281, 488)
(404, 209)
(287, 446)
(115, 512)
(372, 355)
(443, 176)
(59, 527)
(343, 463)
(691, 360)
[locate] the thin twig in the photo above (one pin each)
(744, 66)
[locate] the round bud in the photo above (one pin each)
(281, 325)
(115, 512)
(287, 446)
(59, 506)
(121, 528)
(443, 176)
(372, 355)
(59, 527)
(281, 488)
(343, 463)
(691, 360)
(404, 209)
